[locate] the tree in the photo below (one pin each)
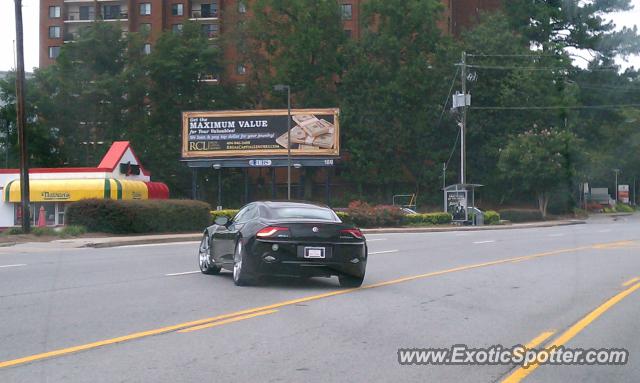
(557, 24)
(391, 96)
(294, 42)
(43, 150)
(82, 96)
(538, 161)
(179, 71)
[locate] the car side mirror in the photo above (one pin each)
(221, 220)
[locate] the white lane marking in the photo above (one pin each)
(160, 244)
(556, 235)
(384, 252)
(604, 231)
(376, 239)
(479, 242)
(17, 265)
(185, 273)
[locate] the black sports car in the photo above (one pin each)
(284, 239)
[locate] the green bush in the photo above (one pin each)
(229, 213)
(72, 231)
(139, 216)
(491, 217)
(624, 208)
(40, 231)
(521, 215)
(365, 215)
(13, 231)
(427, 218)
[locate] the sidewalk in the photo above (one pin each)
(192, 237)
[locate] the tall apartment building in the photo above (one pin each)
(61, 20)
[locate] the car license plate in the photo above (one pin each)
(314, 252)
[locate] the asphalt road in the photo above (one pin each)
(142, 313)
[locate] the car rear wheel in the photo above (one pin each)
(350, 281)
(240, 275)
(204, 257)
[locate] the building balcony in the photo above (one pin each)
(206, 15)
(80, 17)
(122, 16)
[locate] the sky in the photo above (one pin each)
(30, 15)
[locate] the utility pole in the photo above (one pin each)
(616, 171)
(444, 175)
(21, 121)
(463, 125)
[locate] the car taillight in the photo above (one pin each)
(355, 233)
(273, 231)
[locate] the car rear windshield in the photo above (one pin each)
(303, 212)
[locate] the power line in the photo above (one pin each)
(554, 107)
(536, 68)
(510, 55)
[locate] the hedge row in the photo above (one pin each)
(373, 216)
(139, 216)
(521, 215)
(428, 218)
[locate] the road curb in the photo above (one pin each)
(196, 237)
(100, 245)
(472, 228)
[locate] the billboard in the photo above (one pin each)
(314, 132)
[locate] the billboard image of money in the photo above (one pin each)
(314, 132)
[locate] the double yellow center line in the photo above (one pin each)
(521, 372)
(269, 309)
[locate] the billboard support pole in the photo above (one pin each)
(273, 183)
(246, 186)
(288, 142)
(194, 183)
(327, 186)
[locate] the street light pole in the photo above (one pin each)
(616, 171)
(21, 120)
(280, 88)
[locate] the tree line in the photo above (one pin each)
(550, 106)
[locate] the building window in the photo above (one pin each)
(210, 30)
(111, 12)
(242, 6)
(54, 12)
(86, 12)
(347, 11)
(145, 9)
(209, 9)
(54, 32)
(54, 52)
(145, 28)
(146, 49)
(348, 33)
(177, 9)
(177, 28)
(241, 69)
